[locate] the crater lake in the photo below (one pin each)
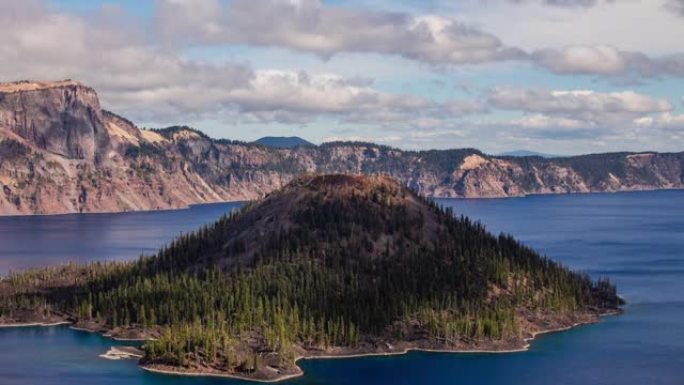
(635, 239)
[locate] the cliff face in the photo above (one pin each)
(63, 118)
(60, 153)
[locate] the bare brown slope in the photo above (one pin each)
(281, 212)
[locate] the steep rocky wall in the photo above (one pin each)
(60, 153)
(63, 118)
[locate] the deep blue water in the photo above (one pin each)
(636, 239)
(31, 241)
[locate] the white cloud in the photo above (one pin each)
(646, 26)
(581, 59)
(607, 60)
(311, 26)
(326, 94)
(288, 97)
(156, 84)
(326, 30)
(624, 118)
(539, 121)
(299, 91)
(663, 121)
(582, 105)
(103, 52)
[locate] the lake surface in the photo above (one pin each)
(636, 239)
(34, 241)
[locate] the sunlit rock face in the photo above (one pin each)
(61, 153)
(63, 118)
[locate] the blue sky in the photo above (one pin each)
(497, 75)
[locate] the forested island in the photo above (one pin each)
(329, 265)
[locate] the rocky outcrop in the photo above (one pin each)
(61, 153)
(63, 118)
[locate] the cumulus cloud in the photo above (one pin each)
(607, 60)
(593, 60)
(301, 97)
(296, 97)
(39, 43)
(665, 120)
(576, 115)
(326, 30)
(299, 91)
(579, 105)
(311, 26)
(539, 121)
(153, 83)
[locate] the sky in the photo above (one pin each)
(554, 76)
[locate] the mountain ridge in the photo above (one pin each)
(283, 141)
(60, 152)
(525, 153)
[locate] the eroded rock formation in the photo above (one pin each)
(61, 153)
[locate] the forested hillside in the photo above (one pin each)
(328, 265)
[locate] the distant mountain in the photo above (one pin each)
(521, 153)
(283, 141)
(60, 152)
(331, 265)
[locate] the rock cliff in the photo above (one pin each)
(61, 153)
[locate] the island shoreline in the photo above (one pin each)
(526, 347)
(33, 324)
(167, 370)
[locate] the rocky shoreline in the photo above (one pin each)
(394, 350)
(123, 353)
